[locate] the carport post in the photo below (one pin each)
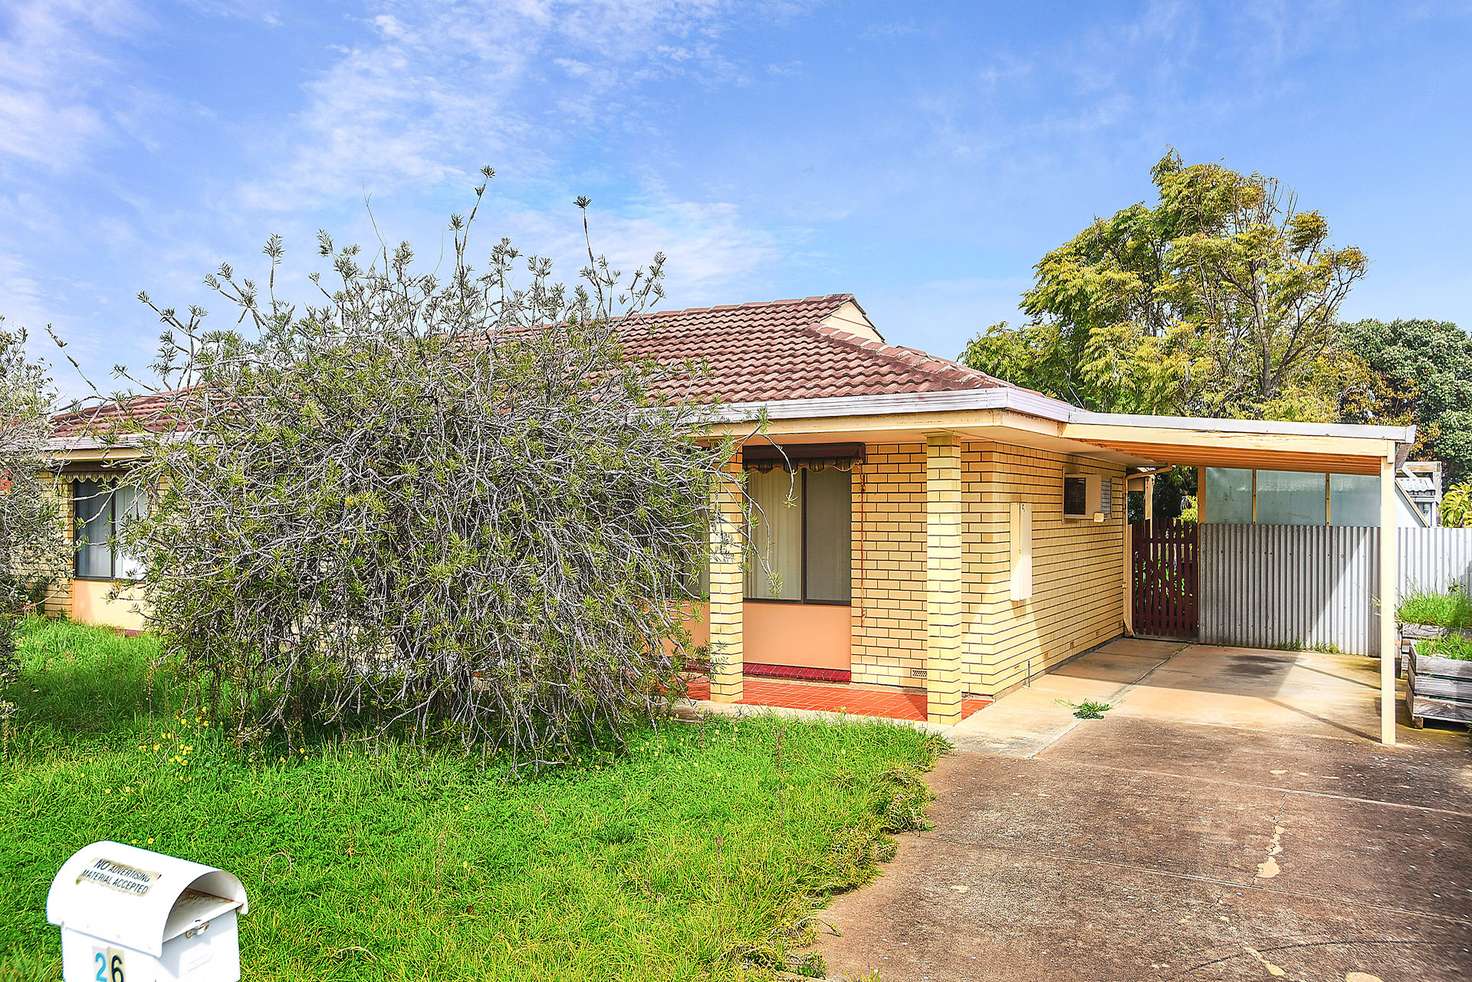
(1389, 578)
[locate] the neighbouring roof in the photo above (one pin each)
(778, 350)
(788, 349)
(149, 412)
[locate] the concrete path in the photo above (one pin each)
(1231, 818)
(1028, 720)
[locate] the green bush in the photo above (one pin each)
(446, 506)
(1455, 646)
(1452, 609)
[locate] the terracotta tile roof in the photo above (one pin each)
(149, 412)
(756, 352)
(750, 352)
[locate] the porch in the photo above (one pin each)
(895, 568)
(833, 698)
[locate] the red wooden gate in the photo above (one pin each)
(1163, 578)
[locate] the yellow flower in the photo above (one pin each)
(150, 840)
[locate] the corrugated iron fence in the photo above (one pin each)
(1434, 559)
(1315, 586)
(1289, 586)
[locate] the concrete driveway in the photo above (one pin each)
(1230, 818)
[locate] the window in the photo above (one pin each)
(99, 510)
(1289, 498)
(800, 535)
(1106, 496)
(1354, 499)
(1229, 495)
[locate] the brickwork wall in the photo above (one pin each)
(888, 566)
(1078, 566)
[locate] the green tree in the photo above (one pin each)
(1221, 299)
(31, 546)
(1456, 507)
(1425, 369)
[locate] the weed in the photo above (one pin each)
(1088, 709)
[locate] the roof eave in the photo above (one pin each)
(899, 402)
(1045, 407)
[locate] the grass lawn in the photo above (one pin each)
(688, 856)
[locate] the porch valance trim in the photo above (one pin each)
(765, 457)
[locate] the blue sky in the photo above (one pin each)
(922, 156)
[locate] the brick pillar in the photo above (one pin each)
(727, 587)
(943, 596)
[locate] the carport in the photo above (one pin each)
(1281, 446)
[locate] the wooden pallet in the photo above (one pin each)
(1438, 688)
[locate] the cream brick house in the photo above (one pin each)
(924, 526)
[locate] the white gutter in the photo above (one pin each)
(1035, 404)
(62, 444)
(903, 402)
(1400, 434)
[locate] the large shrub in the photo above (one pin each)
(445, 505)
(31, 545)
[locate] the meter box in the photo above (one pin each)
(131, 915)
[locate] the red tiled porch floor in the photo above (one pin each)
(855, 700)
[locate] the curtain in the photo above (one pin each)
(829, 521)
(93, 529)
(127, 504)
(774, 559)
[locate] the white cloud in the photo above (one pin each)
(710, 247)
(435, 89)
(54, 77)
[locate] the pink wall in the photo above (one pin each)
(804, 635)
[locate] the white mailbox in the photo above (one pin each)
(131, 915)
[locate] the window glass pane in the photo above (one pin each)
(1229, 495)
(1075, 495)
(127, 505)
(92, 528)
(1288, 498)
(828, 525)
(1354, 499)
(774, 560)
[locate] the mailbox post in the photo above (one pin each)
(131, 915)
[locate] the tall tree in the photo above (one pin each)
(1221, 299)
(1425, 367)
